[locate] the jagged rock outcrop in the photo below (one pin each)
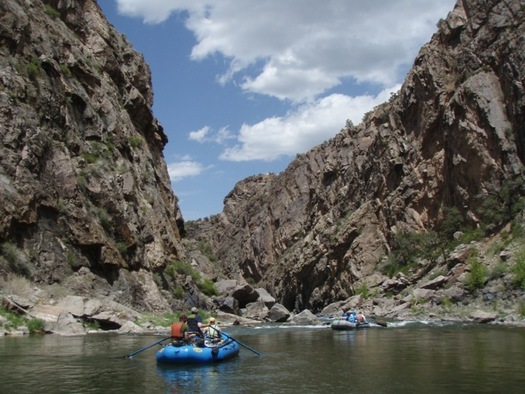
(85, 196)
(452, 138)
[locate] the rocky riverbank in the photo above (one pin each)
(76, 315)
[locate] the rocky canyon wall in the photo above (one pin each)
(452, 138)
(85, 196)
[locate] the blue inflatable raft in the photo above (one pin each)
(344, 324)
(191, 354)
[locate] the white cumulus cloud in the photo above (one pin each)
(298, 49)
(184, 169)
(304, 127)
(199, 135)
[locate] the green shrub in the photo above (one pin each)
(478, 274)
(519, 270)
(363, 290)
(135, 141)
(36, 326)
(52, 12)
(10, 253)
(89, 158)
(122, 247)
(71, 258)
(208, 287)
(13, 320)
(499, 270)
(521, 309)
(65, 70)
(15, 259)
(407, 247)
(183, 268)
(446, 302)
(92, 325)
(206, 250)
(103, 218)
(33, 69)
(178, 293)
(367, 116)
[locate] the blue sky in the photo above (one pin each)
(242, 86)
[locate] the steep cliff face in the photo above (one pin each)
(85, 197)
(453, 138)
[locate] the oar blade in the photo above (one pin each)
(242, 344)
(145, 348)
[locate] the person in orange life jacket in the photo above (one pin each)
(179, 331)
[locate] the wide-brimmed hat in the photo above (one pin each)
(194, 310)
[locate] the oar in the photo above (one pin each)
(242, 344)
(146, 348)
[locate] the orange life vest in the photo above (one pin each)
(176, 330)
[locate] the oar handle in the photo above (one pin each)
(146, 348)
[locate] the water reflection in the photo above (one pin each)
(208, 378)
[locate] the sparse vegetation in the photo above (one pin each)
(208, 287)
(15, 260)
(15, 321)
(411, 246)
(207, 251)
(92, 324)
(519, 270)
(407, 247)
(33, 69)
(82, 181)
(498, 270)
(502, 205)
(89, 158)
(36, 326)
(52, 12)
(363, 290)
(446, 303)
(478, 274)
(65, 70)
(122, 247)
(184, 268)
(136, 141)
(162, 320)
(71, 258)
(103, 218)
(178, 292)
(10, 253)
(521, 309)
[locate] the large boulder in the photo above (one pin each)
(245, 294)
(229, 305)
(265, 297)
(256, 310)
(278, 313)
(65, 324)
(305, 318)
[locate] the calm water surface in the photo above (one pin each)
(407, 358)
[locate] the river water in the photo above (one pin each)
(401, 358)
